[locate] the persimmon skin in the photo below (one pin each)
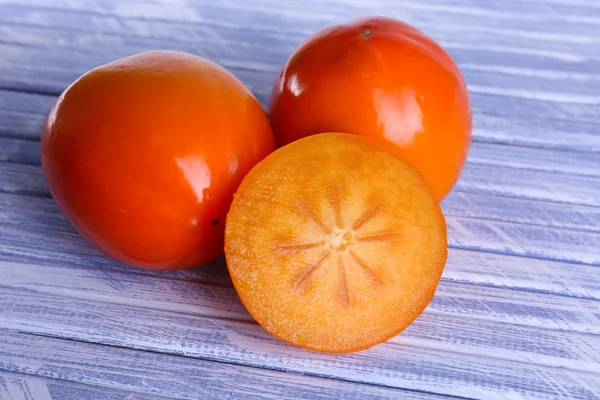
(143, 155)
(383, 79)
(334, 243)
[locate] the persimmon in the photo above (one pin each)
(383, 79)
(143, 156)
(334, 243)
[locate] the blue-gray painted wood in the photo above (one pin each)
(491, 236)
(463, 266)
(477, 178)
(149, 374)
(517, 314)
(547, 102)
(62, 247)
(455, 305)
(405, 362)
(29, 387)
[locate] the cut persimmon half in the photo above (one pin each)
(334, 243)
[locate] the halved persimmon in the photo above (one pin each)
(334, 243)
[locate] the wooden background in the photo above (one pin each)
(517, 314)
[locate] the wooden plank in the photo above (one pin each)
(217, 46)
(463, 266)
(34, 212)
(28, 387)
(548, 132)
(453, 302)
(570, 132)
(25, 106)
(471, 234)
(496, 304)
(55, 247)
(25, 151)
(521, 211)
(530, 184)
(451, 368)
(161, 30)
(43, 212)
(551, 42)
(150, 374)
(316, 14)
(524, 240)
(538, 276)
(549, 160)
(242, 45)
(552, 7)
(19, 151)
(477, 178)
(18, 126)
(28, 243)
(466, 233)
(23, 179)
(572, 97)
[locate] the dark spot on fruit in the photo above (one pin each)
(215, 222)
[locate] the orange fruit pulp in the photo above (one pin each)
(334, 243)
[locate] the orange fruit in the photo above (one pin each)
(334, 243)
(383, 79)
(143, 156)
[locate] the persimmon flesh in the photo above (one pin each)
(383, 79)
(334, 243)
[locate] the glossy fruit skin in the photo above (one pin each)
(143, 156)
(383, 79)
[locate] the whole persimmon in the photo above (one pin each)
(335, 243)
(143, 156)
(383, 79)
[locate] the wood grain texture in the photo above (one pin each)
(539, 276)
(200, 23)
(259, 76)
(477, 178)
(528, 184)
(410, 363)
(524, 240)
(466, 233)
(127, 29)
(522, 211)
(43, 212)
(19, 151)
(445, 17)
(29, 387)
(150, 374)
(517, 314)
(35, 230)
(454, 306)
(17, 122)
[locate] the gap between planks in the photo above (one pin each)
(484, 179)
(293, 37)
(265, 59)
(462, 310)
(27, 151)
(27, 386)
(151, 372)
(471, 14)
(221, 340)
(41, 221)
